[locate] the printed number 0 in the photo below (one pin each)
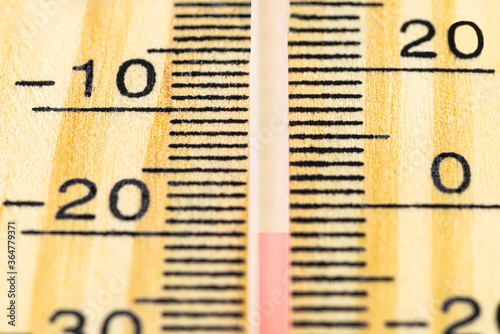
(453, 45)
(151, 78)
(113, 199)
(132, 317)
(436, 175)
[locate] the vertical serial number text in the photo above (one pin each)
(11, 273)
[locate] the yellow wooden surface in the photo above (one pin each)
(432, 255)
(43, 40)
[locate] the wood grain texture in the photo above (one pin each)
(193, 276)
(430, 255)
(374, 243)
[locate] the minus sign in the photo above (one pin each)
(35, 83)
(396, 324)
(23, 203)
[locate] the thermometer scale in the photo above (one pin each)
(166, 170)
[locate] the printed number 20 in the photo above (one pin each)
(431, 32)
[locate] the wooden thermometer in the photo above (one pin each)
(394, 166)
(237, 166)
(125, 165)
